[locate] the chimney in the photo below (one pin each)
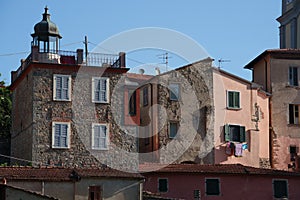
(141, 71)
(122, 59)
(157, 71)
(79, 56)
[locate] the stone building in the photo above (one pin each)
(277, 71)
(62, 105)
(201, 114)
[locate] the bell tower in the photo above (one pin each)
(46, 35)
(290, 24)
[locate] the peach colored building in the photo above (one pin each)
(277, 71)
(241, 119)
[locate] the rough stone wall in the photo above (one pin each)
(81, 113)
(22, 121)
(194, 112)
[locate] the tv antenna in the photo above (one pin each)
(222, 61)
(165, 57)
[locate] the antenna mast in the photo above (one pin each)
(221, 61)
(165, 57)
(86, 50)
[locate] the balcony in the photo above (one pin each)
(70, 58)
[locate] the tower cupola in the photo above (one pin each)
(46, 34)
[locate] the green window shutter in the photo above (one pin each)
(236, 99)
(227, 133)
(242, 134)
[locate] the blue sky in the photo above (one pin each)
(232, 30)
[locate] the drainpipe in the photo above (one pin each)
(271, 146)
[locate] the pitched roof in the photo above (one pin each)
(276, 53)
(2, 186)
(61, 174)
(230, 169)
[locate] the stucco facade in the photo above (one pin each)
(277, 72)
(251, 113)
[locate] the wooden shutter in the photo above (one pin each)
(242, 134)
(236, 100)
(227, 133)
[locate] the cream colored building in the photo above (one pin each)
(290, 24)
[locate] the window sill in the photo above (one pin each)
(293, 86)
(237, 109)
(60, 148)
(293, 125)
(62, 100)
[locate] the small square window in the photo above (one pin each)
(61, 135)
(173, 129)
(100, 90)
(100, 136)
(233, 100)
(61, 87)
(174, 91)
(162, 185)
(212, 186)
(280, 188)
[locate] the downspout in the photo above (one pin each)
(271, 146)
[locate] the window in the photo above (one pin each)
(162, 185)
(145, 96)
(293, 76)
(235, 133)
(294, 114)
(173, 129)
(100, 90)
(100, 136)
(132, 102)
(174, 91)
(280, 188)
(95, 193)
(61, 87)
(60, 135)
(212, 186)
(233, 100)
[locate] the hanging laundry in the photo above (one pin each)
(238, 150)
(229, 149)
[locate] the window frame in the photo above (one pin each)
(228, 136)
(286, 185)
(132, 102)
(171, 91)
(292, 114)
(69, 93)
(95, 189)
(291, 76)
(158, 185)
(106, 136)
(234, 107)
(145, 96)
(219, 187)
(107, 92)
(177, 128)
(68, 135)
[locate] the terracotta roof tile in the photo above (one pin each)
(237, 169)
(60, 173)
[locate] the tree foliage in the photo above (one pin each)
(5, 110)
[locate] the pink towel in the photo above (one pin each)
(238, 151)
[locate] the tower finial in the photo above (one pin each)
(46, 10)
